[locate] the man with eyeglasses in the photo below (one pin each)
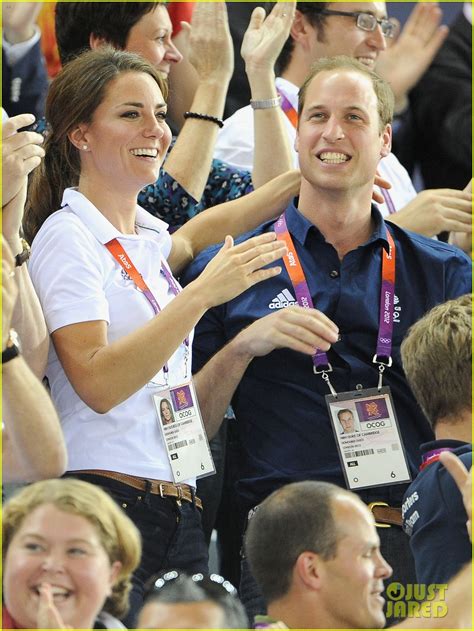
(361, 30)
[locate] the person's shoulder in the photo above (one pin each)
(202, 259)
(431, 247)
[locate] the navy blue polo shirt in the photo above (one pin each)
(435, 518)
(283, 423)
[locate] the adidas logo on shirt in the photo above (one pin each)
(284, 299)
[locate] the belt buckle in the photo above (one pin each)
(160, 488)
(371, 506)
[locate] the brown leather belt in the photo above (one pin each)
(182, 492)
(385, 515)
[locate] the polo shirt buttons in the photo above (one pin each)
(334, 274)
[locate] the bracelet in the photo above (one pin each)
(266, 104)
(24, 254)
(205, 117)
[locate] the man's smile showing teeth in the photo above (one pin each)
(147, 153)
(333, 158)
(367, 61)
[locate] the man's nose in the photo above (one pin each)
(384, 570)
(376, 39)
(332, 130)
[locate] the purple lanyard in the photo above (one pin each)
(388, 200)
(122, 258)
(387, 295)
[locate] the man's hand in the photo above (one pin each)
(210, 47)
(266, 36)
(21, 154)
(9, 290)
(301, 330)
(18, 20)
(404, 63)
(463, 479)
(437, 210)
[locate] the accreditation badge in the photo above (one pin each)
(180, 422)
(368, 438)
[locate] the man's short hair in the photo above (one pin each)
(344, 411)
(175, 587)
(437, 358)
(295, 519)
(313, 13)
(383, 91)
(75, 22)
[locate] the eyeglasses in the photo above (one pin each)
(367, 21)
(214, 585)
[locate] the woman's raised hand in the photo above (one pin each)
(237, 267)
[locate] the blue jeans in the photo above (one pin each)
(172, 536)
(395, 548)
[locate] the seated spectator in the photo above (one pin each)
(315, 552)
(437, 359)
(68, 555)
(178, 601)
(24, 76)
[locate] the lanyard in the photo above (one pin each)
(295, 271)
(292, 116)
(432, 456)
(116, 250)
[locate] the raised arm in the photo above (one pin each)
(105, 374)
(33, 445)
(211, 53)
(261, 45)
(404, 63)
(234, 218)
(21, 153)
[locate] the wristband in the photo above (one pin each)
(12, 348)
(205, 117)
(266, 104)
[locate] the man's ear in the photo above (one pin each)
(302, 31)
(97, 41)
(386, 139)
(78, 137)
(308, 570)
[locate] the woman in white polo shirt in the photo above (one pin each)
(120, 325)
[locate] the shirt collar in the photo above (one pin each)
(101, 227)
(299, 226)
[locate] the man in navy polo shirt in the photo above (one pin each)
(283, 423)
(437, 356)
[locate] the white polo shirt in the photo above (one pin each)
(78, 280)
(235, 145)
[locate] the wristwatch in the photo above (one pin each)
(24, 254)
(13, 347)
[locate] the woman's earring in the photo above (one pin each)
(85, 147)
